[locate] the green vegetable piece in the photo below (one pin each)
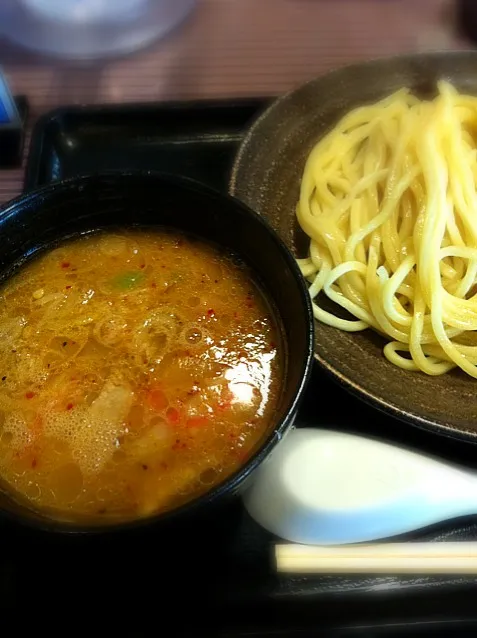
(128, 280)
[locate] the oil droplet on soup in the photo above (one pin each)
(143, 374)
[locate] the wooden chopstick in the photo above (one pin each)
(385, 558)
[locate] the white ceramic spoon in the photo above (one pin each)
(325, 488)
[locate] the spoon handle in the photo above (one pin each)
(443, 493)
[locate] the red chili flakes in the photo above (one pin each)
(69, 406)
(249, 301)
(65, 264)
(173, 415)
(34, 463)
(242, 454)
(197, 421)
(30, 395)
(226, 402)
(68, 287)
(157, 400)
(211, 312)
(142, 266)
(153, 285)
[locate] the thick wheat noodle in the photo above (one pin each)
(389, 200)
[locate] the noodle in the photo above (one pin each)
(389, 201)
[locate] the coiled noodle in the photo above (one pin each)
(389, 201)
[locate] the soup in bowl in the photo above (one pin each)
(156, 338)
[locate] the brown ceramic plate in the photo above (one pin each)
(266, 176)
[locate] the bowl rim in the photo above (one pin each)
(231, 483)
(355, 388)
(329, 75)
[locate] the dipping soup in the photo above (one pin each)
(138, 370)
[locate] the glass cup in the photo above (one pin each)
(88, 29)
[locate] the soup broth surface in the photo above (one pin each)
(138, 370)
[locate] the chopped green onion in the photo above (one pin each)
(127, 280)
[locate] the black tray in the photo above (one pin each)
(196, 139)
(229, 587)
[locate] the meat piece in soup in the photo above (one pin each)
(137, 369)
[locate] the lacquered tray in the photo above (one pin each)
(224, 584)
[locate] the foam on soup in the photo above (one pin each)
(138, 370)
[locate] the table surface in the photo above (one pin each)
(233, 48)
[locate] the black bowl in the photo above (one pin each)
(48, 215)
